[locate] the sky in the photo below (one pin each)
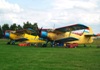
(51, 13)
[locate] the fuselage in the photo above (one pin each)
(31, 38)
(82, 38)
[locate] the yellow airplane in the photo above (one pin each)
(22, 36)
(64, 35)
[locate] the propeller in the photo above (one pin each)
(39, 32)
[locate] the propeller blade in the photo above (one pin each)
(39, 31)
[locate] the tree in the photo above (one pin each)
(34, 26)
(31, 27)
(19, 27)
(13, 26)
(35, 29)
(27, 25)
(1, 33)
(5, 27)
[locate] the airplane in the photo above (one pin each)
(22, 36)
(64, 35)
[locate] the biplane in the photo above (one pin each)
(22, 36)
(65, 35)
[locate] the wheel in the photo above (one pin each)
(44, 45)
(13, 42)
(8, 42)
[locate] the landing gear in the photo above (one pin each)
(44, 45)
(84, 45)
(11, 42)
(8, 43)
(52, 43)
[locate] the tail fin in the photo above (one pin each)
(90, 30)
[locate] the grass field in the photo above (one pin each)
(13, 57)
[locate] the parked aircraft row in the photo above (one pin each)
(62, 36)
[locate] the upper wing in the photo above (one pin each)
(21, 39)
(28, 31)
(66, 39)
(71, 28)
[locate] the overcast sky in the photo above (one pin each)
(48, 13)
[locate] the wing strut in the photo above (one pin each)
(70, 33)
(83, 32)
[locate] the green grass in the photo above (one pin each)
(13, 57)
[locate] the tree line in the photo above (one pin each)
(14, 26)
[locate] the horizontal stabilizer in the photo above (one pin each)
(89, 35)
(69, 39)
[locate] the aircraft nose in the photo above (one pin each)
(44, 34)
(7, 35)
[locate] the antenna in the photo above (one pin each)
(52, 29)
(54, 26)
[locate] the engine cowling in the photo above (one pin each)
(7, 35)
(44, 34)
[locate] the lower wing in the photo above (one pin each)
(21, 39)
(69, 39)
